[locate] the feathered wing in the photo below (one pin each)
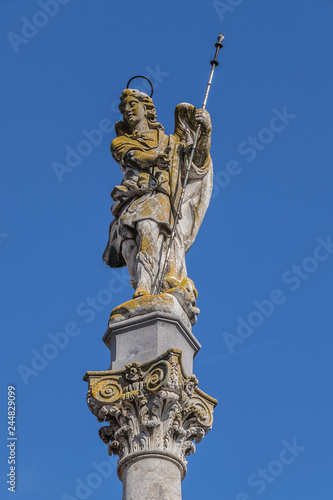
(200, 183)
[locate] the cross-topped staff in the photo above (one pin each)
(214, 63)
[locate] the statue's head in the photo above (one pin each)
(136, 106)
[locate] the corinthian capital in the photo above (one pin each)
(152, 408)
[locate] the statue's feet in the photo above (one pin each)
(140, 291)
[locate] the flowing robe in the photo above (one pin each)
(153, 193)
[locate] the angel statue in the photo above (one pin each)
(153, 165)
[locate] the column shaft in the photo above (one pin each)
(152, 478)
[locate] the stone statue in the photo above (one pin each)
(153, 411)
(153, 165)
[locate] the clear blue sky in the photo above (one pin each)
(267, 235)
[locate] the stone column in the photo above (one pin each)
(153, 476)
(154, 410)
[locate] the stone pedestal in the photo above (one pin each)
(146, 337)
(153, 408)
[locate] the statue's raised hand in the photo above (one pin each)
(202, 117)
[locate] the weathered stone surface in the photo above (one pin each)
(154, 167)
(150, 408)
(179, 301)
(146, 337)
(153, 477)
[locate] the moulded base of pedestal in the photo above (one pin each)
(151, 477)
(146, 337)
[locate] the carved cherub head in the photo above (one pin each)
(190, 384)
(133, 372)
(186, 294)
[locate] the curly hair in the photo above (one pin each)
(147, 101)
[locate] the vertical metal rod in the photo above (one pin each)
(214, 63)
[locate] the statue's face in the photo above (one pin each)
(134, 111)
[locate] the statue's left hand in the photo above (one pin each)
(202, 116)
(163, 161)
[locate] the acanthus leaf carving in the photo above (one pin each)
(150, 407)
